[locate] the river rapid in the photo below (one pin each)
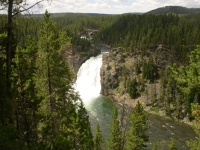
(161, 130)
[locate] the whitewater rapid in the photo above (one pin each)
(88, 79)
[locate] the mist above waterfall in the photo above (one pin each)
(88, 79)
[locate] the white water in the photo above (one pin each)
(88, 79)
(100, 109)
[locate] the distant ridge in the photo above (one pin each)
(175, 10)
(70, 14)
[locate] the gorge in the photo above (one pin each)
(161, 130)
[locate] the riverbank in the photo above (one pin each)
(127, 101)
(100, 110)
(119, 69)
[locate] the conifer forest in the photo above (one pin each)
(41, 110)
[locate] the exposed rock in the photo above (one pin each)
(75, 59)
(163, 57)
(118, 61)
(119, 65)
(111, 70)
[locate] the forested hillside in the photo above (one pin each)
(174, 10)
(143, 32)
(39, 108)
(156, 41)
(154, 60)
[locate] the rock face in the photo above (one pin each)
(163, 57)
(119, 69)
(75, 59)
(111, 70)
(119, 63)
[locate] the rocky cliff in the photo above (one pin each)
(111, 70)
(118, 65)
(75, 59)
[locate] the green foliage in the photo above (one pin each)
(23, 88)
(194, 144)
(43, 111)
(43, 98)
(142, 32)
(115, 140)
(8, 137)
(137, 67)
(132, 89)
(149, 70)
(136, 135)
(173, 145)
(98, 139)
(155, 146)
(4, 102)
(84, 44)
(54, 85)
(186, 79)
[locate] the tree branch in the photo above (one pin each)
(26, 9)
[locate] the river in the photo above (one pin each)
(161, 130)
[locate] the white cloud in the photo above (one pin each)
(101, 7)
(118, 0)
(145, 5)
(111, 6)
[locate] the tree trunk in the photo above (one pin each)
(9, 42)
(9, 52)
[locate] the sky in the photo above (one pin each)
(108, 6)
(114, 6)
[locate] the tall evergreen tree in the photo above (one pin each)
(25, 100)
(98, 139)
(132, 88)
(136, 135)
(65, 120)
(115, 140)
(187, 79)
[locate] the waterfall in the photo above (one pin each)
(100, 109)
(88, 79)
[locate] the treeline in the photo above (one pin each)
(142, 32)
(38, 106)
(178, 33)
(180, 87)
(144, 35)
(174, 89)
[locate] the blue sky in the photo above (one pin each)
(108, 6)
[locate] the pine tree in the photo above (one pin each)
(48, 74)
(115, 138)
(195, 143)
(98, 139)
(7, 130)
(132, 88)
(187, 79)
(136, 136)
(85, 133)
(137, 67)
(23, 86)
(65, 123)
